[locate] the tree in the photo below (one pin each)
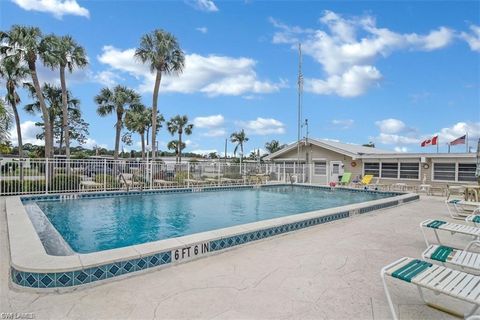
(177, 147)
(139, 120)
(23, 42)
(13, 72)
(273, 146)
(116, 101)
(5, 122)
(53, 98)
(63, 53)
(161, 50)
(179, 124)
(239, 138)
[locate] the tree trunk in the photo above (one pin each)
(118, 127)
(60, 142)
(180, 147)
(19, 129)
(142, 136)
(45, 116)
(65, 112)
(156, 88)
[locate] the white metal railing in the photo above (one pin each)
(44, 176)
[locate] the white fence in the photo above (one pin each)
(43, 176)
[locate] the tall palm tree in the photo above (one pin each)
(239, 138)
(161, 50)
(176, 146)
(116, 101)
(53, 98)
(179, 124)
(23, 42)
(63, 53)
(5, 122)
(13, 72)
(139, 120)
(273, 146)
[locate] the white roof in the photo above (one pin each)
(359, 151)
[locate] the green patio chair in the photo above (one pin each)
(346, 178)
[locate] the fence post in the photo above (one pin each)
(47, 174)
(151, 173)
(104, 174)
(188, 175)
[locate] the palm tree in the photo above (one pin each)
(239, 138)
(63, 53)
(161, 50)
(53, 97)
(177, 146)
(139, 120)
(13, 73)
(116, 101)
(179, 124)
(5, 122)
(273, 146)
(23, 43)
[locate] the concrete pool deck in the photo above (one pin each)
(328, 271)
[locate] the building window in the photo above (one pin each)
(372, 168)
(444, 171)
(466, 172)
(390, 170)
(320, 168)
(289, 167)
(409, 170)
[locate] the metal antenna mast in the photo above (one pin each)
(300, 94)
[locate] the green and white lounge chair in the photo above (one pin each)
(459, 209)
(464, 260)
(439, 279)
(474, 218)
(346, 178)
(453, 228)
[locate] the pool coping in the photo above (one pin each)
(40, 271)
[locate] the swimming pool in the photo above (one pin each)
(90, 225)
(58, 241)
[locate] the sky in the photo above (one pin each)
(392, 73)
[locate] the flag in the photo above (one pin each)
(430, 142)
(460, 140)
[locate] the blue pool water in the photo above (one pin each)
(90, 225)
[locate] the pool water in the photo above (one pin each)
(96, 224)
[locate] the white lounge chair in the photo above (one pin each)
(439, 225)
(459, 209)
(441, 280)
(474, 218)
(464, 260)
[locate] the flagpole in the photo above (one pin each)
(448, 147)
(466, 141)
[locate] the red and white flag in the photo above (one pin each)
(430, 142)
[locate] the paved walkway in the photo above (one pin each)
(329, 271)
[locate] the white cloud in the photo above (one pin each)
(202, 29)
(209, 121)
(29, 133)
(473, 38)
(387, 138)
(218, 132)
(262, 126)
(390, 125)
(107, 78)
(203, 5)
(91, 143)
(343, 123)
(348, 47)
(58, 8)
(401, 149)
(213, 75)
(459, 129)
(352, 83)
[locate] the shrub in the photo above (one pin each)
(180, 176)
(63, 182)
(109, 180)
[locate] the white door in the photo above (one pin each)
(335, 170)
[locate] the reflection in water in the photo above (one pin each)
(89, 225)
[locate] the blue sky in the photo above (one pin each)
(394, 73)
